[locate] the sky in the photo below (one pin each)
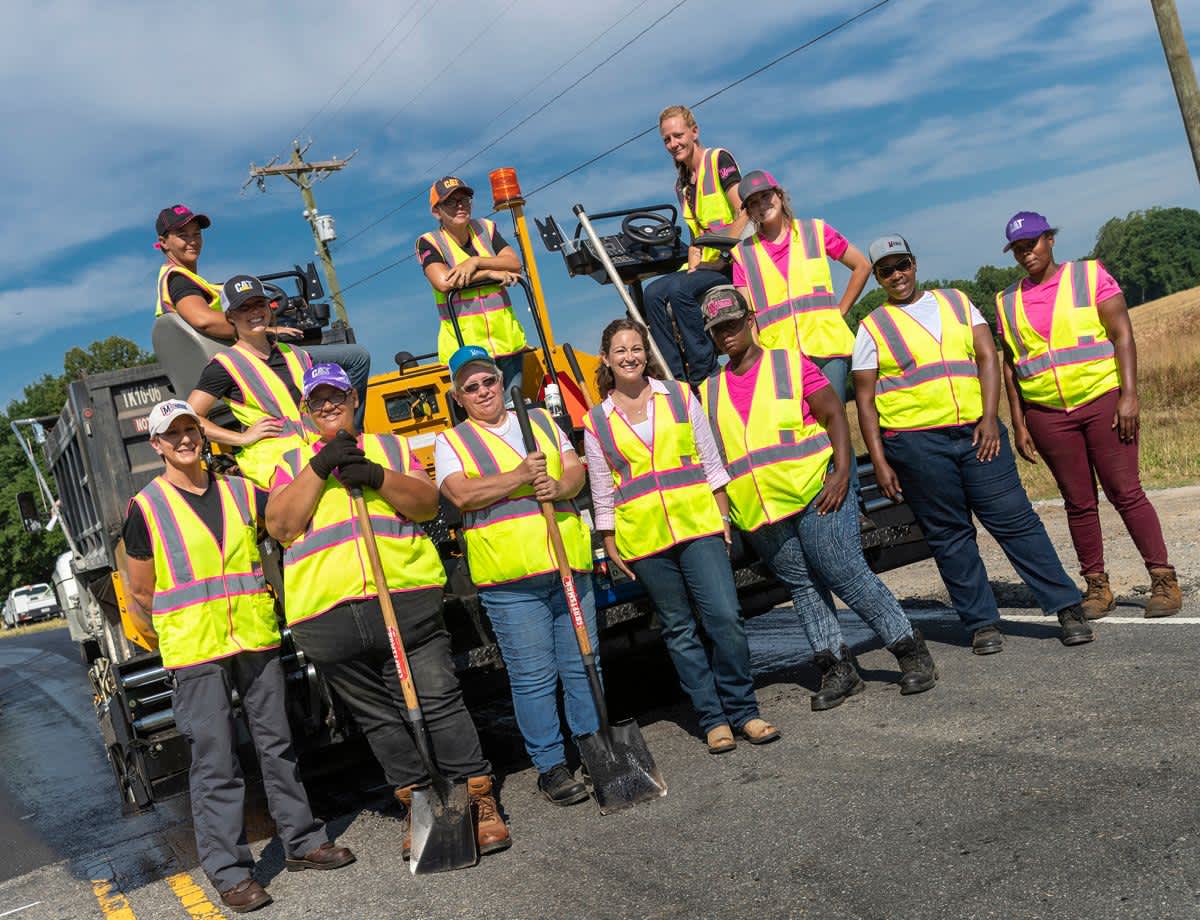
(937, 120)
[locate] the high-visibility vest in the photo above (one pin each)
(328, 563)
(508, 540)
(264, 395)
(776, 462)
(799, 311)
(713, 213)
(485, 313)
(662, 495)
(1079, 363)
(923, 382)
(210, 599)
(164, 303)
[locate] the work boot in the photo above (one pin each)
(987, 640)
(1165, 596)
(327, 856)
(245, 896)
(1075, 629)
(918, 672)
(839, 679)
(491, 833)
(560, 787)
(1098, 598)
(404, 799)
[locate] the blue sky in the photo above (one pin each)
(934, 119)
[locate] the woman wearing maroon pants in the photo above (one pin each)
(1071, 376)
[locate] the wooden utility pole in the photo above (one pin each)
(1183, 74)
(302, 175)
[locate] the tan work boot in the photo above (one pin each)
(404, 797)
(1165, 596)
(1098, 598)
(491, 833)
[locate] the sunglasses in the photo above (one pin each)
(485, 384)
(336, 398)
(456, 203)
(886, 271)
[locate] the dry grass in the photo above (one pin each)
(43, 626)
(1168, 343)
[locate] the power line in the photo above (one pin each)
(584, 165)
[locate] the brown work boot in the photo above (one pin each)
(404, 798)
(245, 896)
(327, 856)
(491, 833)
(1165, 596)
(1098, 598)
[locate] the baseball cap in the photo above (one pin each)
(176, 216)
(757, 180)
(1025, 225)
(325, 375)
(470, 354)
(165, 412)
(239, 289)
(444, 186)
(721, 304)
(893, 244)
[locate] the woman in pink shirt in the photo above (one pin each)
(1086, 426)
(658, 496)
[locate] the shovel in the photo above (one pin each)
(443, 834)
(621, 768)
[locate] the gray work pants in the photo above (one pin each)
(204, 715)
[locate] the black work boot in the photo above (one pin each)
(987, 640)
(1075, 628)
(918, 672)
(560, 787)
(839, 679)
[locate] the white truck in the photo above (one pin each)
(29, 604)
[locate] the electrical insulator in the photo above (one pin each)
(325, 231)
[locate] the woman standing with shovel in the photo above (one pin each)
(658, 495)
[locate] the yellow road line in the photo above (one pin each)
(193, 898)
(112, 900)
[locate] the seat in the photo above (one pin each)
(183, 352)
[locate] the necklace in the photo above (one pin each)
(636, 407)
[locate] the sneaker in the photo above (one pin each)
(1075, 629)
(491, 832)
(1098, 598)
(987, 640)
(1165, 596)
(839, 679)
(560, 787)
(917, 670)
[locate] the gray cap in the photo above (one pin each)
(891, 245)
(722, 304)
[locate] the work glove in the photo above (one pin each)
(342, 449)
(359, 474)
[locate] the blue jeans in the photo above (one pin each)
(812, 553)
(537, 641)
(944, 484)
(355, 361)
(717, 682)
(512, 369)
(683, 291)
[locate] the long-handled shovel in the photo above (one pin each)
(621, 767)
(443, 834)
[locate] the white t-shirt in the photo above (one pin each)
(925, 311)
(446, 460)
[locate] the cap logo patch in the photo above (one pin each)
(180, 209)
(1016, 225)
(451, 183)
(717, 304)
(242, 286)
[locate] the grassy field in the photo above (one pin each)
(43, 626)
(1168, 345)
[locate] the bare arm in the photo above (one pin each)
(291, 507)
(412, 494)
(546, 488)
(203, 403)
(868, 425)
(829, 412)
(860, 271)
(470, 493)
(987, 433)
(1114, 316)
(196, 312)
(475, 270)
(141, 581)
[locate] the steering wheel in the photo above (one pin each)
(649, 229)
(275, 294)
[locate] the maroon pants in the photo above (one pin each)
(1080, 447)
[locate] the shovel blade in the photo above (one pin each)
(443, 834)
(621, 767)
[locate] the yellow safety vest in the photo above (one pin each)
(662, 495)
(210, 599)
(798, 311)
(713, 212)
(776, 463)
(485, 313)
(264, 395)
(508, 540)
(1079, 363)
(164, 302)
(924, 383)
(328, 564)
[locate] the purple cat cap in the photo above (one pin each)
(1025, 225)
(322, 374)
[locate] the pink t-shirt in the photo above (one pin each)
(1038, 299)
(741, 387)
(835, 248)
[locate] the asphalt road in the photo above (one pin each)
(1044, 782)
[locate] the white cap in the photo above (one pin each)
(165, 412)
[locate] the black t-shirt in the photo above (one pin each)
(207, 506)
(180, 285)
(427, 253)
(727, 172)
(217, 382)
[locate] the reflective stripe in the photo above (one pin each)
(1008, 306)
(393, 451)
(754, 275)
(958, 303)
(478, 450)
(602, 429)
(676, 400)
(206, 589)
(656, 482)
(543, 421)
(819, 300)
(508, 508)
(808, 238)
(709, 178)
(343, 532)
(766, 456)
(895, 341)
(177, 555)
(926, 374)
(244, 368)
(1081, 295)
(782, 374)
(474, 305)
(713, 392)
(1072, 355)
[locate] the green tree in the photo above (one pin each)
(1151, 253)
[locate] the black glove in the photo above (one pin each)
(342, 449)
(359, 474)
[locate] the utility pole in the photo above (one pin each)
(1183, 74)
(302, 175)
